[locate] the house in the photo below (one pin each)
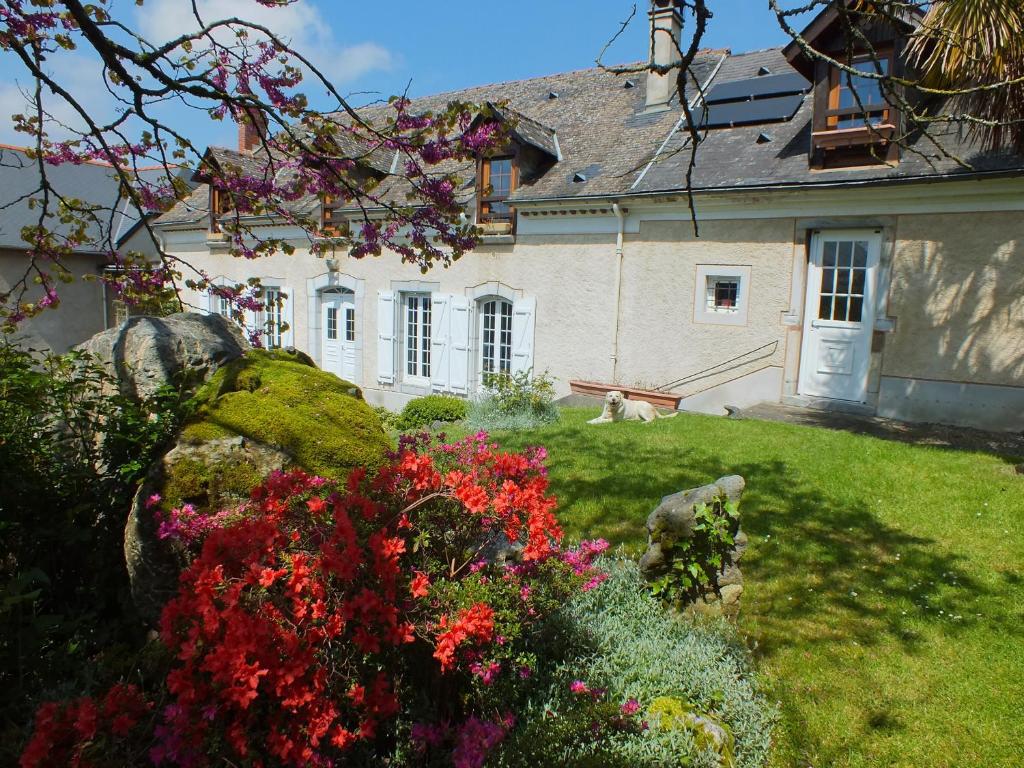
(833, 266)
(86, 305)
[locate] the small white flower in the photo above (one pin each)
(852, 593)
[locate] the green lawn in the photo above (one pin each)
(884, 582)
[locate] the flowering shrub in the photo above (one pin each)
(86, 732)
(310, 623)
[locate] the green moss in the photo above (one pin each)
(271, 397)
(709, 732)
(208, 485)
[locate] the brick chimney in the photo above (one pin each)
(666, 32)
(252, 129)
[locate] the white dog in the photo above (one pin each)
(618, 408)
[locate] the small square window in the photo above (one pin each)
(723, 294)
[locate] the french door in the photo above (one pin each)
(338, 335)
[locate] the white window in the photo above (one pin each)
(350, 323)
(417, 311)
(271, 319)
(721, 295)
(223, 307)
(495, 336)
(332, 323)
(218, 304)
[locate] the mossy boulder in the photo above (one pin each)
(709, 733)
(265, 411)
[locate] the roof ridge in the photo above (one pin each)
(777, 48)
(607, 69)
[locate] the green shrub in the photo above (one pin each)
(424, 411)
(72, 452)
(691, 679)
(514, 402)
(388, 418)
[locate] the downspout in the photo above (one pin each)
(620, 229)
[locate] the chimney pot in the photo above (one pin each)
(666, 32)
(252, 130)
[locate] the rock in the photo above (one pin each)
(264, 411)
(145, 353)
(709, 732)
(218, 474)
(673, 521)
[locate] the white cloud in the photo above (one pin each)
(301, 24)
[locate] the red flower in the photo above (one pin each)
(420, 585)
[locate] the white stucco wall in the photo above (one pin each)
(958, 298)
(952, 283)
(571, 278)
(661, 339)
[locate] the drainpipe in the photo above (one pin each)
(621, 226)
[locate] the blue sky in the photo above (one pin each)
(380, 48)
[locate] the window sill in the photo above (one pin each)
(853, 137)
(495, 227)
(498, 239)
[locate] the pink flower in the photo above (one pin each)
(579, 687)
(631, 707)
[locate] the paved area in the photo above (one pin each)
(958, 438)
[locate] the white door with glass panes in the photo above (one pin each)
(338, 333)
(839, 315)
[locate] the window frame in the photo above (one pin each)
(499, 344)
(278, 309)
(419, 375)
(838, 80)
(705, 274)
(485, 194)
(221, 204)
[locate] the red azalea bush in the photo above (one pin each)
(392, 616)
(85, 732)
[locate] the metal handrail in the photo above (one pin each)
(685, 379)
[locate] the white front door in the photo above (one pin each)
(839, 315)
(338, 335)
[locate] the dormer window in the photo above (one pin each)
(220, 205)
(856, 119)
(855, 101)
(332, 220)
(853, 121)
(497, 182)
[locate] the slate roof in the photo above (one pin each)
(592, 118)
(95, 183)
(596, 124)
(731, 158)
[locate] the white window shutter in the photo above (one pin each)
(458, 377)
(386, 337)
(524, 312)
(440, 340)
(288, 316)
